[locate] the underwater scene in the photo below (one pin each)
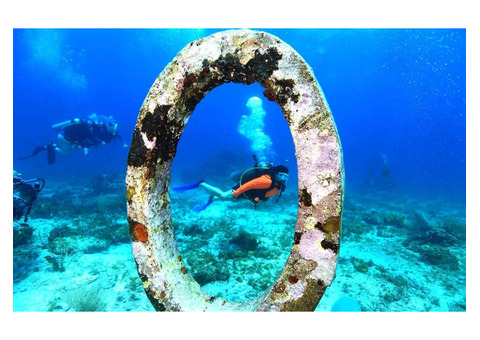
(398, 99)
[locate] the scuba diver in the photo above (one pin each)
(378, 175)
(256, 184)
(25, 192)
(80, 134)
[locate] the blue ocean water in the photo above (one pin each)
(400, 92)
(397, 96)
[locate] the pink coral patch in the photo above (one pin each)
(310, 246)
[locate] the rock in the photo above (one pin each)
(440, 257)
(22, 233)
(245, 241)
(372, 217)
(440, 237)
(395, 219)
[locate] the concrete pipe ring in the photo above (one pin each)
(240, 56)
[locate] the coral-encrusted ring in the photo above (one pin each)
(240, 56)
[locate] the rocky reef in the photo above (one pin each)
(74, 255)
(401, 254)
(381, 266)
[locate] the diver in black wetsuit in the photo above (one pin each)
(25, 192)
(80, 133)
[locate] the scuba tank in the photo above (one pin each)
(259, 169)
(243, 176)
(256, 171)
(66, 123)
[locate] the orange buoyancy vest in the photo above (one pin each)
(262, 182)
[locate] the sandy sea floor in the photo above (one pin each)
(396, 253)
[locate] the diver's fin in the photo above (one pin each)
(189, 186)
(37, 150)
(50, 153)
(202, 207)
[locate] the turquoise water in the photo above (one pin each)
(397, 97)
(232, 249)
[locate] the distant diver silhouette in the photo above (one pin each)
(378, 175)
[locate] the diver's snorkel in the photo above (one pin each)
(256, 160)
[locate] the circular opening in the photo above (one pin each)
(240, 56)
(233, 249)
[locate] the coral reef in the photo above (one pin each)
(360, 265)
(62, 252)
(395, 219)
(22, 233)
(455, 227)
(25, 261)
(205, 268)
(384, 268)
(372, 217)
(215, 275)
(86, 299)
(245, 241)
(420, 266)
(439, 236)
(440, 257)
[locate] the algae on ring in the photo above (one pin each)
(240, 56)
